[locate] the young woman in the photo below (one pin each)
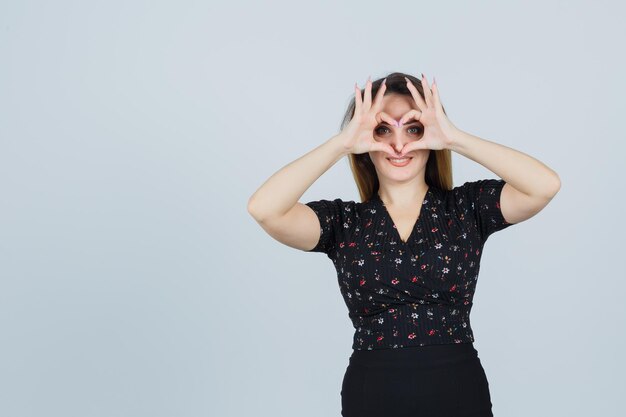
(407, 256)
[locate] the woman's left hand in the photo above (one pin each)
(438, 129)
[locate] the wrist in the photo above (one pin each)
(457, 140)
(337, 144)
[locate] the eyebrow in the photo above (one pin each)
(405, 124)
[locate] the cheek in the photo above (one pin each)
(377, 158)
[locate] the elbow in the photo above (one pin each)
(256, 211)
(556, 186)
(553, 187)
(252, 209)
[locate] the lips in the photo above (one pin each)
(401, 162)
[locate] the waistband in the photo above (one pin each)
(409, 325)
(416, 356)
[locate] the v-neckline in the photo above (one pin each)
(425, 201)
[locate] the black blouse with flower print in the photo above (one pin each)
(417, 292)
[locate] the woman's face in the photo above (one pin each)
(396, 106)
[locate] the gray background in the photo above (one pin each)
(135, 283)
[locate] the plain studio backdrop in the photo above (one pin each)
(135, 283)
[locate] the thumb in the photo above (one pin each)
(412, 146)
(384, 147)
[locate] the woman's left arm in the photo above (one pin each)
(530, 184)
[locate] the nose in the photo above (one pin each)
(398, 140)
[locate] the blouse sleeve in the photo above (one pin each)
(483, 196)
(330, 215)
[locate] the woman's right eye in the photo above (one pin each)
(377, 130)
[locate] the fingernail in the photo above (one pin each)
(384, 81)
(434, 81)
(422, 75)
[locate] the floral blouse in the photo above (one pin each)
(417, 292)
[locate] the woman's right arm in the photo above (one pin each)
(275, 205)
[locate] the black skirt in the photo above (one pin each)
(418, 381)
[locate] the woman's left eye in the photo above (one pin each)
(417, 129)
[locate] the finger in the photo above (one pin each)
(382, 116)
(412, 146)
(411, 114)
(421, 104)
(384, 147)
(378, 101)
(367, 101)
(408, 148)
(357, 99)
(390, 150)
(436, 95)
(428, 95)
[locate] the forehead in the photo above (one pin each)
(397, 105)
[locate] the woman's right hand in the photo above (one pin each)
(358, 135)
